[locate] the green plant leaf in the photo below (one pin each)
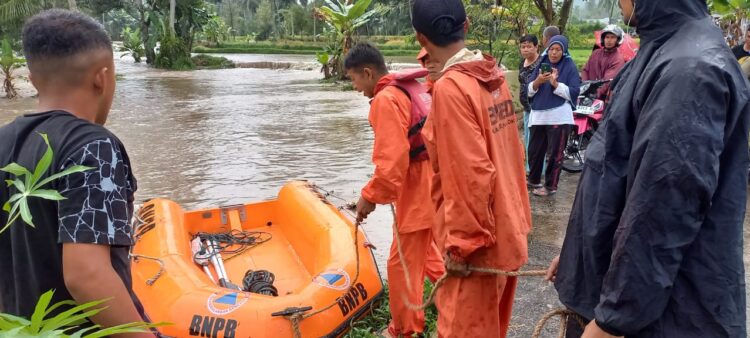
(126, 328)
(72, 170)
(75, 319)
(14, 207)
(70, 316)
(364, 19)
(16, 169)
(51, 195)
(19, 185)
(6, 206)
(83, 332)
(11, 318)
(13, 333)
(335, 5)
(26, 213)
(9, 182)
(13, 198)
(37, 318)
(57, 305)
(358, 9)
(43, 165)
(11, 218)
(6, 326)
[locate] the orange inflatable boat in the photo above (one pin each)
(252, 270)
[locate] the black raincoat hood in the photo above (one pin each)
(654, 245)
(657, 18)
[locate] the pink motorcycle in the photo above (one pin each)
(588, 114)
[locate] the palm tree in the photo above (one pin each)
(172, 10)
(18, 9)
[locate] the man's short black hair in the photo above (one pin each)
(364, 54)
(442, 22)
(57, 35)
(529, 38)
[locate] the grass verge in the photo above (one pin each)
(378, 320)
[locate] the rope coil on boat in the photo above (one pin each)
(144, 218)
(260, 282)
(162, 268)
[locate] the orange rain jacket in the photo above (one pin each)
(479, 187)
(396, 178)
(407, 183)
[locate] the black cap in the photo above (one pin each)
(442, 21)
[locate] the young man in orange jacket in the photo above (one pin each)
(479, 187)
(402, 176)
(434, 69)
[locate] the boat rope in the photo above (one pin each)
(152, 280)
(562, 313)
(400, 252)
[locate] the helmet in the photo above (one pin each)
(613, 29)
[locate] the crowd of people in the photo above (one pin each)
(653, 246)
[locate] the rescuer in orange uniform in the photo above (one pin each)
(479, 187)
(402, 176)
(434, 68)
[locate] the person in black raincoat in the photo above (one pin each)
(654, 243)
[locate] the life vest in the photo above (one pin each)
(421, 101)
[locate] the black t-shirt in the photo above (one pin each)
(739, 51)
(97, 209)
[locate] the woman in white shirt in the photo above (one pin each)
(553, 94)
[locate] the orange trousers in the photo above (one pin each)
(479, 305)
(423, 260)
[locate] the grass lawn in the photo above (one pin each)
(580, 56)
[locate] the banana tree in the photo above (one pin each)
(345, 18)
(325, 66)
(734, 14)
(8, 63)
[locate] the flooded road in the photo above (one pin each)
(207, 138)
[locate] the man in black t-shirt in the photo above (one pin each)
(743, 50)
(80, 245)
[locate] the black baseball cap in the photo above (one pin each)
(441, 21)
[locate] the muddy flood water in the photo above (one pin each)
(218, 137)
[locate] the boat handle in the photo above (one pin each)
(291, 311)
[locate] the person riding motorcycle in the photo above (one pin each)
(605, 62)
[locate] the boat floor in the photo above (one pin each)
(277, 256)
